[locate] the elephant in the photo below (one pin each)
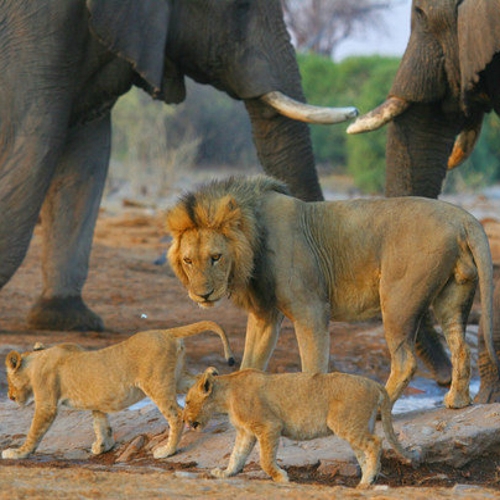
(64, 64)
(448, 78)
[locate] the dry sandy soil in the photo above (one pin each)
(133, 293)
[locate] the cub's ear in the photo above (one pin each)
(207, 380)
(135, 30)
(13, 361)
(39, 347)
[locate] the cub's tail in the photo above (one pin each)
(385, 414)
(203, 326)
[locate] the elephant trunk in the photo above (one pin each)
(419, 143)
(284, 150)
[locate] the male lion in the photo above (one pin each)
(149, 363)
(277, 256)
(300, 406)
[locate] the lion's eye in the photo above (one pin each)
(216, 257)
(187, 261)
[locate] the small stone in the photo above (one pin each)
(133, 448)
(334, 467)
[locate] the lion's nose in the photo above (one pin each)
(206, 295)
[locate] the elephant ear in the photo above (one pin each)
(136, 30)
(478, 29)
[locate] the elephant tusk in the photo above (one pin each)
(465, 143)
(379, 116)
(300, 111)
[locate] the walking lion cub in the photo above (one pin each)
(149, 363)
(299, 406)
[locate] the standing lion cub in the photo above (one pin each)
(299, 406)
(149, 363)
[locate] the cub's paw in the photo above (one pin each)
(280, 477)
(14, 453)
(220, 473)
(99, 447)
(164, 452)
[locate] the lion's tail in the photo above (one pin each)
(203, 326)
(385, 414)
(480, 248)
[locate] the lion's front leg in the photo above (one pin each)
(313, 339)
(243, 445)
(104, 434)
(42, 420)
(261, 337)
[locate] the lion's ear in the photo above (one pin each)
(13, 361)
(178, 220)
(228, 214)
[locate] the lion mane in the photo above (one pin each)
(230, 207)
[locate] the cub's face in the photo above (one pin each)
(20, 388)
(199, 403)
(206, 261)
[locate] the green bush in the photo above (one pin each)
(364, 83)
(210, 128)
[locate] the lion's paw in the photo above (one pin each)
(14, 453)
(454, 401)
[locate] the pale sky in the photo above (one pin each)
(390, 39)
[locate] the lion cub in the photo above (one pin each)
(300, 406)
(149, 363)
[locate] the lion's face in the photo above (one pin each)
(20, 388)
(206, 261)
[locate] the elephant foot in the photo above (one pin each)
(64, 314)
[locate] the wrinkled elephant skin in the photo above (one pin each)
(64, 63)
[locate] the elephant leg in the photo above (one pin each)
(489, 389)
(431, 351)
(26, 165)
(69, 214)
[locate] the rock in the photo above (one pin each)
(334, 467)
(454, 437)
(133, 448)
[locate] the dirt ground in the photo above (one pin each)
(131, 292)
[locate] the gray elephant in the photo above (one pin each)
(64, 63)
(449, 77)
